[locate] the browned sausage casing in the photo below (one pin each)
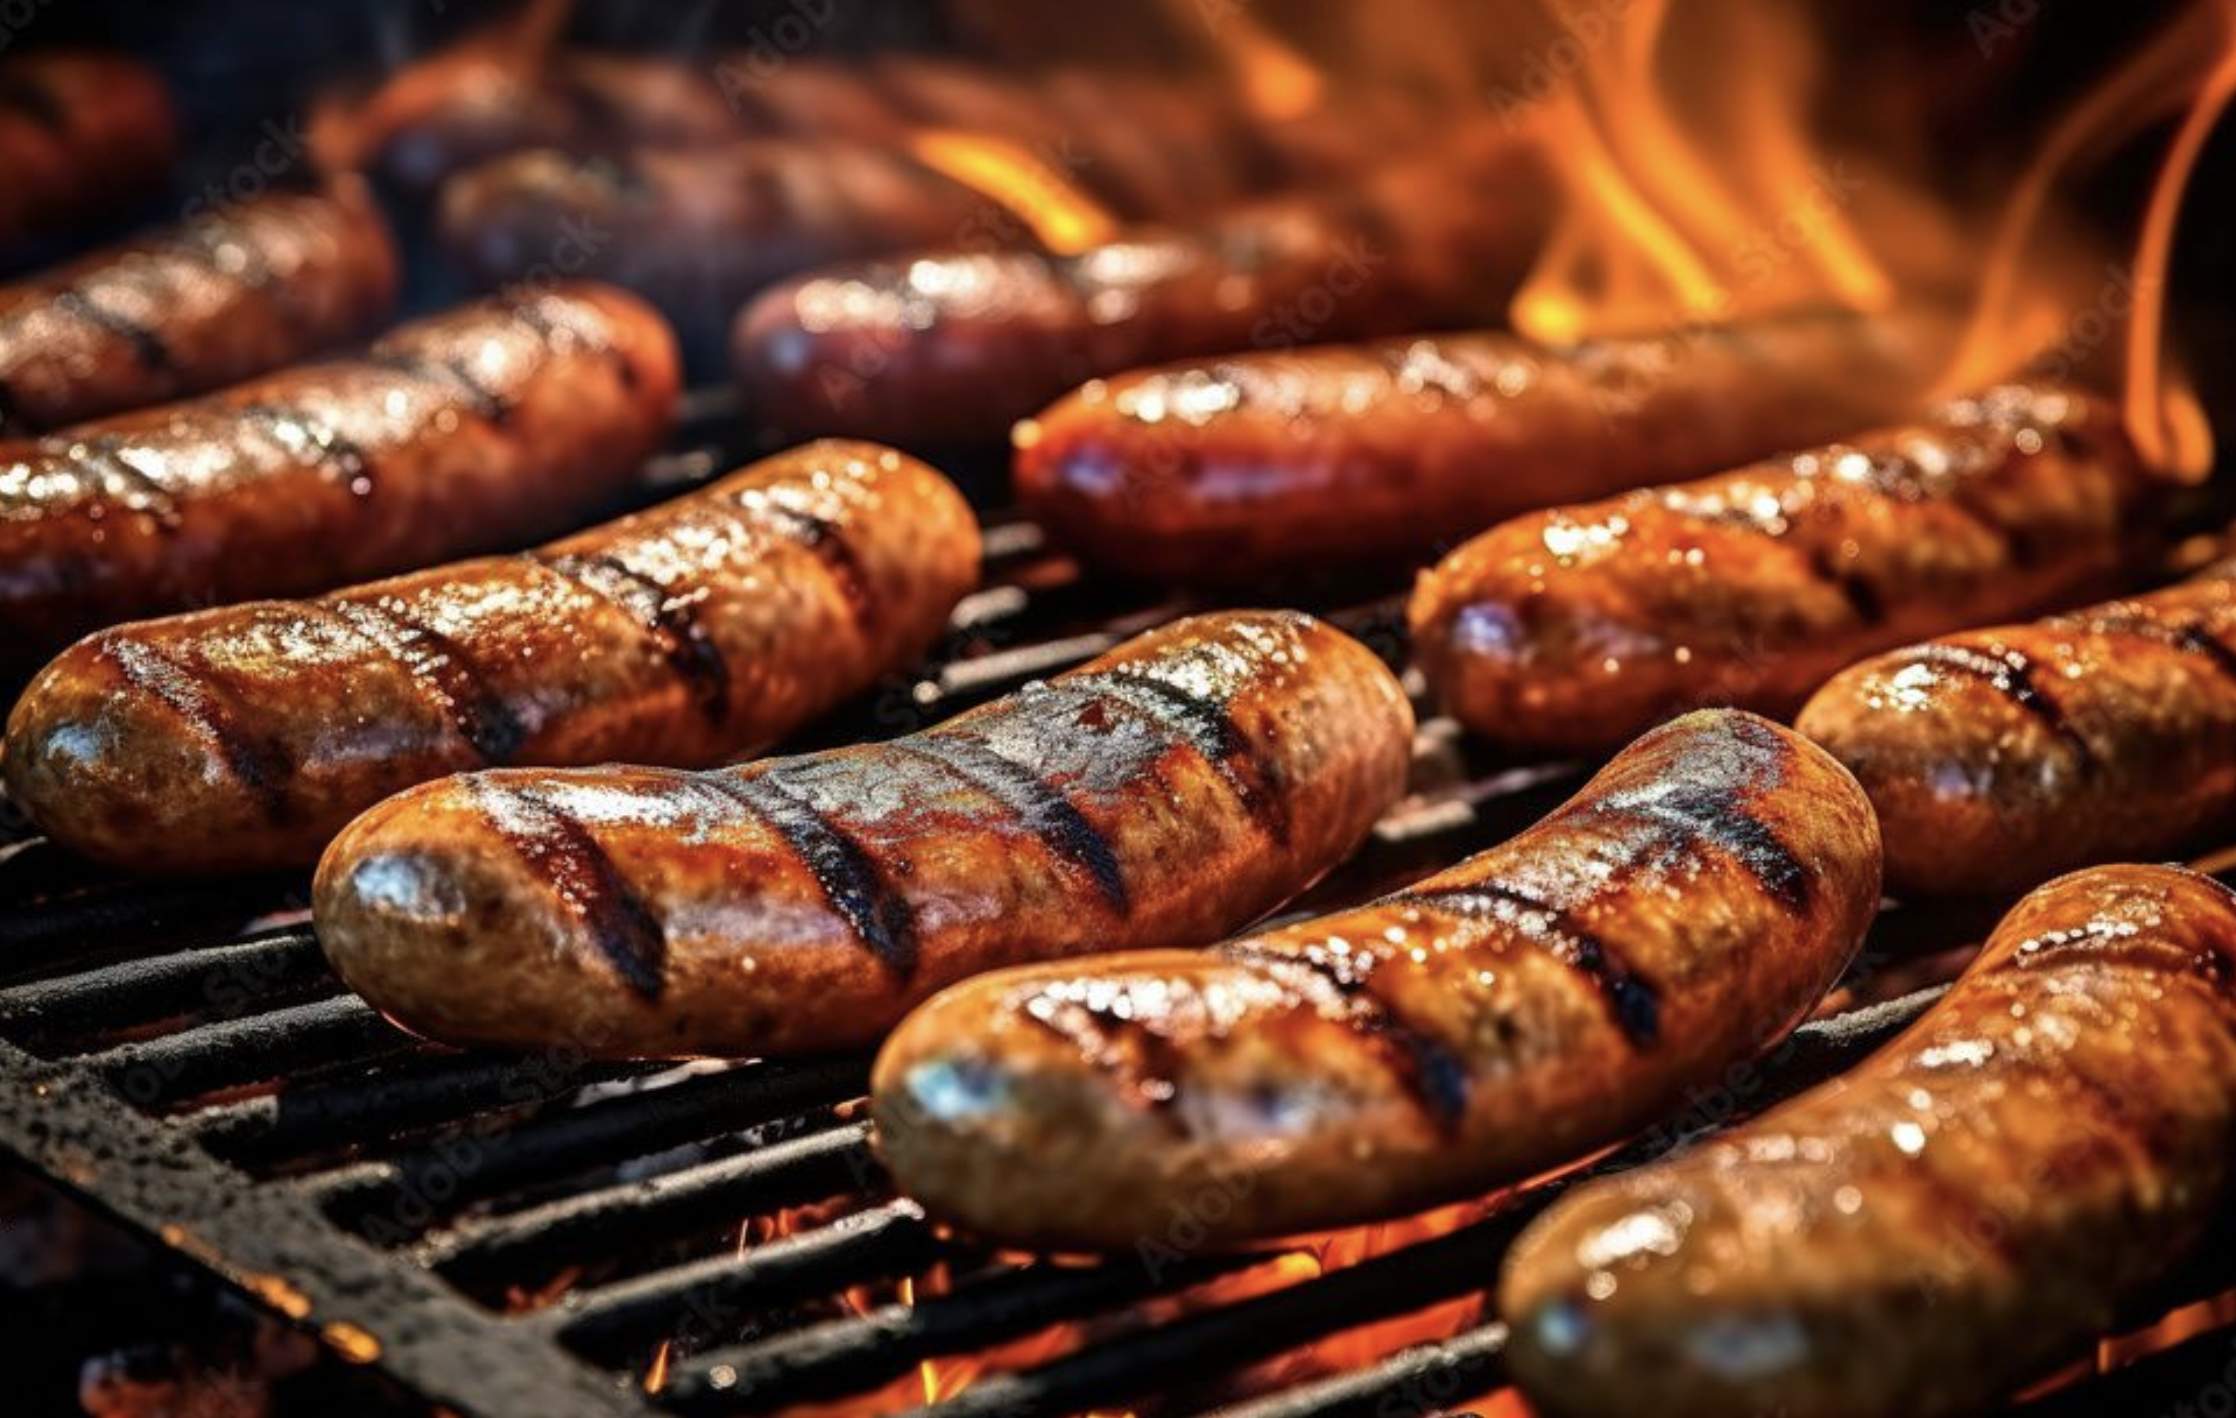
(1963, 1210)
(230, 293)
(1573, 629)
(1166, 793)
(1531, 1004)
(1999, 758)
(1287, 462)
(951, 346)
(495, 422)
(80, 134)
(249, 735)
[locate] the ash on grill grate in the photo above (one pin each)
(543, 1234)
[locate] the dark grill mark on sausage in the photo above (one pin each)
(258, 764)
(1147, 1065)
(307, 435)
(2197, 638)
(1205, 723)
(2011, 675)
(108, 454)
(1019, 787)
(147, 346)
(11, 412)
(879, 916)
(481, 715)
(671, 620)
(34, 101)
(584, 879)
(1696, 814)
(1631, 1000)
(2189, 637)
(1434, 1076)
(1862, 597)
(452, 374)
(826, 541)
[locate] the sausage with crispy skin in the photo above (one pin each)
(1286, 462)
(1164, 794)
(480, 427)
(1573, 629)
(952, 346)
(1999, 758)
(1960, 1213)
(249, 735)
(1533, 1003)
(81, 134)
(224, 295)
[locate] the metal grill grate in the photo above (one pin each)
(533, 1235)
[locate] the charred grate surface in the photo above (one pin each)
(537, 1235)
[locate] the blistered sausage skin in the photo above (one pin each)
(1533, 1003)
(1959, 1213)
(1573, 629)
(80, 134)
(247, 736)
(1288, 462)
(224, 295)
(1164, 794)
(468, 430)
(953, 346)
(2000, 758)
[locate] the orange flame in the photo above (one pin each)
(656, 1377)
(2161, 413)
(1060, 215)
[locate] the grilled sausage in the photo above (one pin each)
(1572, 629)
(2000, 758)
(1531, 1004)
(249, 735)
(953, 346)
(214, 299)
(1266, 463)
(1960, 1212)
(697, 231)
(467, 430)
(81, 134)
(1186, 782)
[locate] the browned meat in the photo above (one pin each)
(469, 430)
(224, 295)
(1166, 793)
(1570, 630)
(2000, 758)
(1962, 1211)
(952, 345)
(249, 735)
(81, 134)
(1288, 462)
(1531, 1004)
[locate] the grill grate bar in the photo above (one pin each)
(600, 1223)
(719, 1293)
(225, 978)
(846, 1356)
(1422, 1380)
(249, 1050)
(416, 1093)
(402, 1196)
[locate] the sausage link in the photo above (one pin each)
(249, 735)
(208, 301)
(1287, 462)
(1956, 1215)
(81, 134)
(952, 346)
(1177, 787)
(698, 232)
(2000, 758)
(468, 430)
(1529, 1005)
(1573, 629)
